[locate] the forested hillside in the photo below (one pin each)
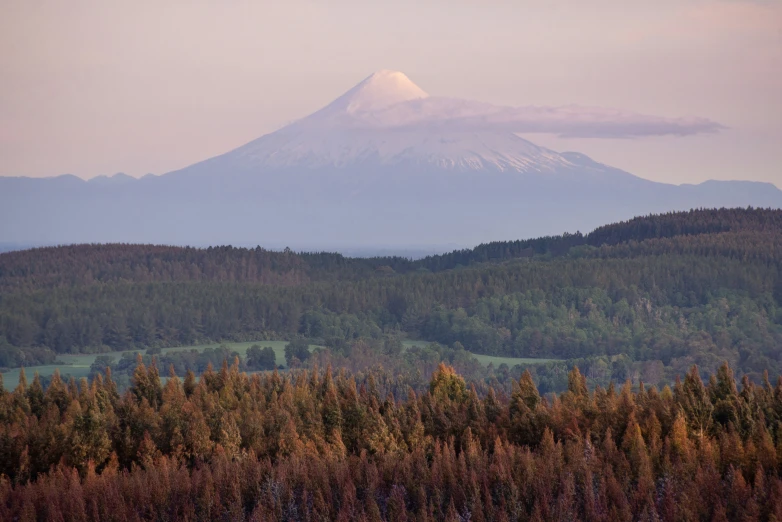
(74, 265)
(84, 265)
(682, 288)
(611, 421)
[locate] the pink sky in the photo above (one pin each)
(93, 87)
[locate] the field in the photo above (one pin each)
(11, 377)
(510, 361)
(487, 359)
(78, 366)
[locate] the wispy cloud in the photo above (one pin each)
(568, 121)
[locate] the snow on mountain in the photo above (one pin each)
(371, 123)
(303, 147)
(387, 120)
(378, 91)
(383, 164)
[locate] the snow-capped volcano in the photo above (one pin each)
(388, 120)
(384, 164)
(378, 91)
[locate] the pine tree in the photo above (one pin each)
(447, 385)
(693, 398)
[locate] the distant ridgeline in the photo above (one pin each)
(674, 289)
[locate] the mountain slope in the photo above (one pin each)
(372, 124)
(384, 164)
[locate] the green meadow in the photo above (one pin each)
(487, 359)
(510, 361)
(78, 366)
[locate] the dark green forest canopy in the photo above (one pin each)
(76, 265)
(680, 288)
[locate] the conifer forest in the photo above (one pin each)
(641, 379)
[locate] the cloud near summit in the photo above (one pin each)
(390, 100)
(568, 121)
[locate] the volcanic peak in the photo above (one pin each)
(378, 91)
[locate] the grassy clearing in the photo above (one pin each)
(11, 377)
(78, 366)
(510, 361)
(486, 359)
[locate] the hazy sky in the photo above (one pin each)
(97, 87)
